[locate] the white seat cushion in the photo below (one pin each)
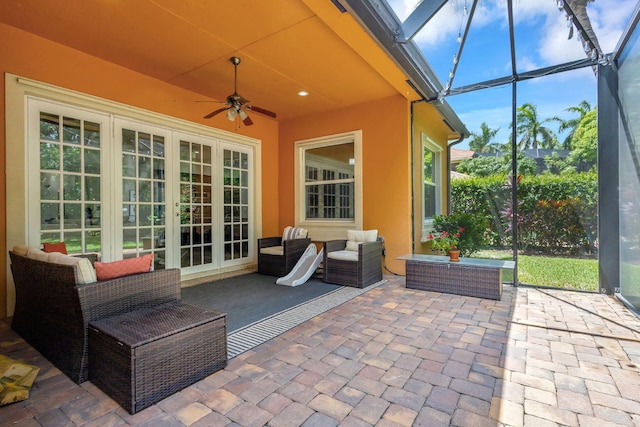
(272, 250)
(344, 255)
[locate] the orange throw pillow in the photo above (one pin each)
(55, 247)
(126, 267)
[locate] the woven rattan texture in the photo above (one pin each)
(481, 282)
(52, 312)
(280, 266)
(364, 272)
(141, 357)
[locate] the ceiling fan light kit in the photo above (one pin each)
(238, 105)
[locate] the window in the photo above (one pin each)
(329, 182)
(328, 172)
(431, 185)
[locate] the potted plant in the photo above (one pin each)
(448, 243)
(470, 240)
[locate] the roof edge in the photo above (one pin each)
(383, 25)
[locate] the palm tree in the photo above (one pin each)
(572, 124)
(531, 130)
(481, 142)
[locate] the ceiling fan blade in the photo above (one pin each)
(213, 113)
(247, 121)
(261, 111)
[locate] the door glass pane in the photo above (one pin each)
(143, 198)
(91, 134)
(195, 205)
(71, 131)
(235, 166)
(70, 189)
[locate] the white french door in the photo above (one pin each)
(141, 192)
(123, 188)
(238, 209)
(198, 196)
(215, 209)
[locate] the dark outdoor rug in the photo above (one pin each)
(259, 310)
(252, 297)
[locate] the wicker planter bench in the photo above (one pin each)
(141, 357)
(475, 277)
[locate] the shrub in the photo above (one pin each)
(472, 239)
(556, 213)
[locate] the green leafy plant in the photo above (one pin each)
(537, 197)
(473, 226)
(445, 241)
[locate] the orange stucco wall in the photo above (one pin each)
(427, 121)
(386, 153)
(33, 57)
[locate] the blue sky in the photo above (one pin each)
(541, 40)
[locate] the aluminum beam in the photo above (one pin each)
(418, 19)
(541, 72)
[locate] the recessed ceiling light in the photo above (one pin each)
(303, 93)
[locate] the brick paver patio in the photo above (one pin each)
(395, 357)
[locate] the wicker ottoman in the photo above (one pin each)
(141, 357)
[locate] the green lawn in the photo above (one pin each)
(571, 273)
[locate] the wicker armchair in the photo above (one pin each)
(277, 256)
(363, 270)
(52, 311)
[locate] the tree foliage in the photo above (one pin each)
(585, 141)
(496, 165)
(482, 142)
(531, 130)
(571, 125)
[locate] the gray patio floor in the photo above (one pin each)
(395, 357)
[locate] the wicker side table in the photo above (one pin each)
(141, 357)
(475, 277)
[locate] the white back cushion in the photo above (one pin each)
(355, 237)
(294, 233)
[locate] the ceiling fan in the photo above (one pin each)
(237, 105)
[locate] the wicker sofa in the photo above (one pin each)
(53, 311)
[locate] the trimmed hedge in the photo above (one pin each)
(556, 213)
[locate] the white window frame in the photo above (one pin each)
(429, 145)
(320, 229)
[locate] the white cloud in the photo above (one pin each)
(554, 46)
(449, 21)
(608, 21)
(526, 63)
